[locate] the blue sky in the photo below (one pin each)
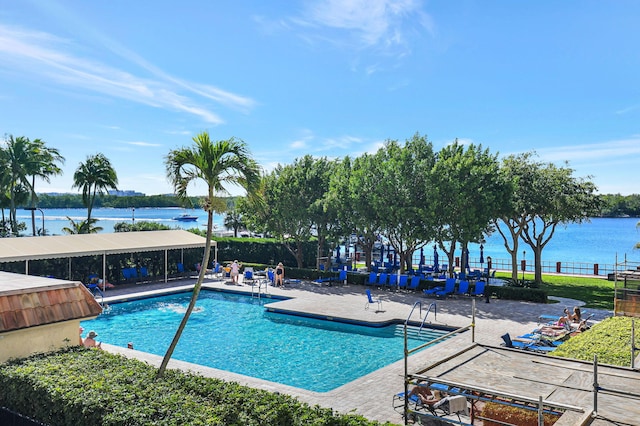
(326, 77)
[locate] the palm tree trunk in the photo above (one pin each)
(194, 296)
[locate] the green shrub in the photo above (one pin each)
(90, 387)
(518, 293)
(609, 339)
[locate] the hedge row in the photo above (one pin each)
(90, 387)
(518, 293)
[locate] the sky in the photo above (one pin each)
(329, 78)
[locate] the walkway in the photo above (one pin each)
(370, 395)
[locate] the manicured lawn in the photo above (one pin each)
(597, 293)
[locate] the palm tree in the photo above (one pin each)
(82, 227)
(94, 176)
(234, 220)
(43, 164)
(15, 160)
(216, 163)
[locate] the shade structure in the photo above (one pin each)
(52, 247)
(69, 246)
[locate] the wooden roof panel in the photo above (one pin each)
(38, 305)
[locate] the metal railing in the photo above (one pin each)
(549, 267)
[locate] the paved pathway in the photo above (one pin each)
(371, 395)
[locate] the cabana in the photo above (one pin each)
(70, 246)
(41, 314)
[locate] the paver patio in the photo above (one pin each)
(370, 395)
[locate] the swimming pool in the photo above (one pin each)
(236, 333)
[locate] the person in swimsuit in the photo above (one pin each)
(279, 275)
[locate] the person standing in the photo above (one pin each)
(279, 275)
(235, 272)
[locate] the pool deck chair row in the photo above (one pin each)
(449, 289)
(341, 277)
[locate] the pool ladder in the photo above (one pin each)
(259, 284)
(419, 304)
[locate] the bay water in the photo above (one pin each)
(596, 241)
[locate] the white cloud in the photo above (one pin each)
(378, 24)
(140, 143)
(47, 57)
(601, 152)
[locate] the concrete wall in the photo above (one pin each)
(45, 338)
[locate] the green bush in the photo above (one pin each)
(91, 387)
(609, 339)
(518, 293)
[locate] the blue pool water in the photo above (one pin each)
(236, 333)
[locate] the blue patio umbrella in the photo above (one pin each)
(421, 257)
(338, 253)
(465, 255)
(481, 254)
(436, 267)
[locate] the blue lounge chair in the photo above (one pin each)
(415, 282)
(371, 301)
(463, 288)
(382, 279)
(180, 268)
(433, 291)
(341, 277)
(393, 281)
(248, 275)
(479, 288)
(373, 279)
(402, 284)
(449, 288)
(525, 345)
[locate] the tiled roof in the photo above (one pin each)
(29, 301)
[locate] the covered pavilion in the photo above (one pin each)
(26, 249)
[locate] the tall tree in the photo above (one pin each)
(234, 220)
(555, 197)
(16, 157)
(353, 194)
(405, 196)
(520, 171)
(95, 176)
(217, 164)
(293, 204)
(470, 194)
(42, 164)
